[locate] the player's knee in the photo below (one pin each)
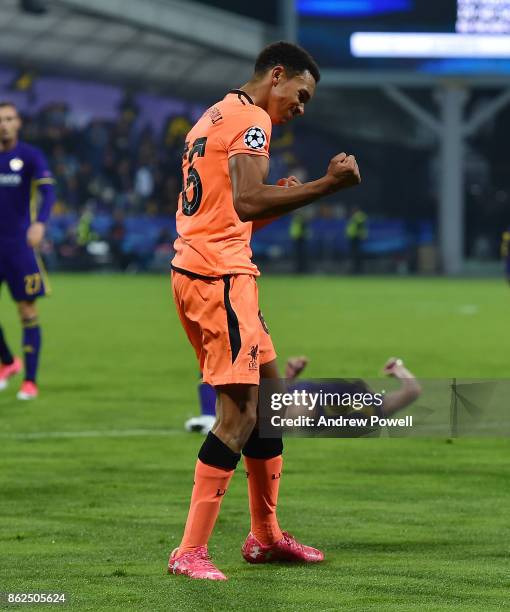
(27, 311)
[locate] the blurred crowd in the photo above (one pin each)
(110, 165)
(111, 176)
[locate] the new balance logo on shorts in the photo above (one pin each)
(220, 492)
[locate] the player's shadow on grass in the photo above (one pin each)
(410, 546)
(71, 388)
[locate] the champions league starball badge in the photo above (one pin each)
(255, 138)
(16, 164)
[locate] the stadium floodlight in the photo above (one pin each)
(423, 45)
(36, 7)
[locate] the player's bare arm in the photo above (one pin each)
(283, 182)
(254, 200)
(408, 392)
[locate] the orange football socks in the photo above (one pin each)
(263, 483)
(211, 484)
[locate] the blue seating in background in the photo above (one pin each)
(326, 237)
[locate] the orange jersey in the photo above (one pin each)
(212, 240)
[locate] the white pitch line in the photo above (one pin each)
(420, 430)
(106, 433)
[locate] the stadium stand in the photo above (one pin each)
(116, 159)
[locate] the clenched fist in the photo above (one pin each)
(343, 172)
(291, 181)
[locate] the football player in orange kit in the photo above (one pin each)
(225, 199)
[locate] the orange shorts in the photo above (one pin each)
(223, 322)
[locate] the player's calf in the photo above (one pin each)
(217, 460)
(31, 349)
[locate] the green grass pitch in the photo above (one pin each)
(91, 502)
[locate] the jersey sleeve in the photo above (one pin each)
(41, 173)
(250, 133)
(505, 244)
(44, 181)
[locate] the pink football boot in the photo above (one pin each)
(6, 371)
(286, 549)
(195, 564)
(28, 390)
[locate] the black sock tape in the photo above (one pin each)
(214, 452)
(262, 448)
(28, 323)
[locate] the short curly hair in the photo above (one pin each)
(292, 57)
